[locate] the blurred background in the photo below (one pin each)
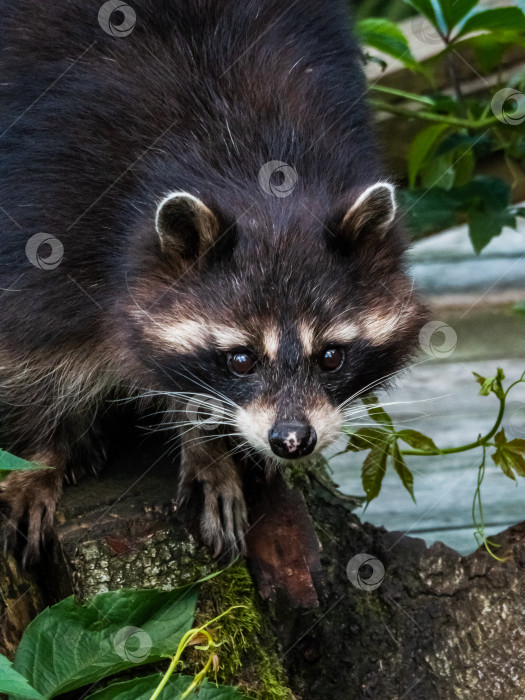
(446, 92)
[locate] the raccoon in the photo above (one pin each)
(193, 209)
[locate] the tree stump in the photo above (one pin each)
(438, 626)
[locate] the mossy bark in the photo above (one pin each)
(439, 626)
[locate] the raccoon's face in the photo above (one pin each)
(282, 325)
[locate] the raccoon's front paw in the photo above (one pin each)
(224, 520)
(28, 502)
(208, 470)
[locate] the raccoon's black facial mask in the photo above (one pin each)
(285, 331)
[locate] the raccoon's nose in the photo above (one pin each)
(291, 439)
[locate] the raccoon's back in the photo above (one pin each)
(95, 129)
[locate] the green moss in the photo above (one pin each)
(248, 653)
(370, 608)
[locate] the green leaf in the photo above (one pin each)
(385, 36)
(489, 49)
(421, 147)
(424, 7)
(376, 413)
(403, 471)
(365, 438)
(517, 445)
(427, 211)
(494, 20)
(435, 209)
(509, 461)
(492, 384)
(500, 438)
(143, 688)
(374, 468)
(464, 167)
(460, 141)
(491, 191)
(9, 462)
(501, 460)
(484, 383)
(13, 683)
(455, 10)
(509, 455)
(486, 225)
(486, 201)
(417, 440)
(438, 172)
(412, 96)
(71, 645)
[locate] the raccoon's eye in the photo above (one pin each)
(332, 359)
(241, 363)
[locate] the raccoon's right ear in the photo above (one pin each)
(373, 211)
(186, 227)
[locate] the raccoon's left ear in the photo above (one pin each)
(374, 211)
(186, 227)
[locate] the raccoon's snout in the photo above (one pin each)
(291, 440)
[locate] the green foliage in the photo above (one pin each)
(72, 645)
(509, 456)
(458, 131)
(393, 10)
(89, 632)
(14, 683)
(9, 462)
(492, 384)
(386, 36)
(484, 200)
(422, 147)
(374, 466)
(424, 7)
(383, 445)
(143, 688)
(502, 19)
